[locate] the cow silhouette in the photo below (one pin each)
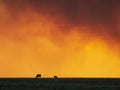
(38, 76)
(55, 77)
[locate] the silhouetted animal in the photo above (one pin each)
(38, 76)
(55, 77)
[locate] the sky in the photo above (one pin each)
(67, 38)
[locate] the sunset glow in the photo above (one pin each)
(49, 40)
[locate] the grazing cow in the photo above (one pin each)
(55, 77)
(38, 76)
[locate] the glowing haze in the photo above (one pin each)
(68, 38)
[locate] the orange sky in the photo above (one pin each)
(49, 40)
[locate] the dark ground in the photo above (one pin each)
(59, 83)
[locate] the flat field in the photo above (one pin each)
(59, 83)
